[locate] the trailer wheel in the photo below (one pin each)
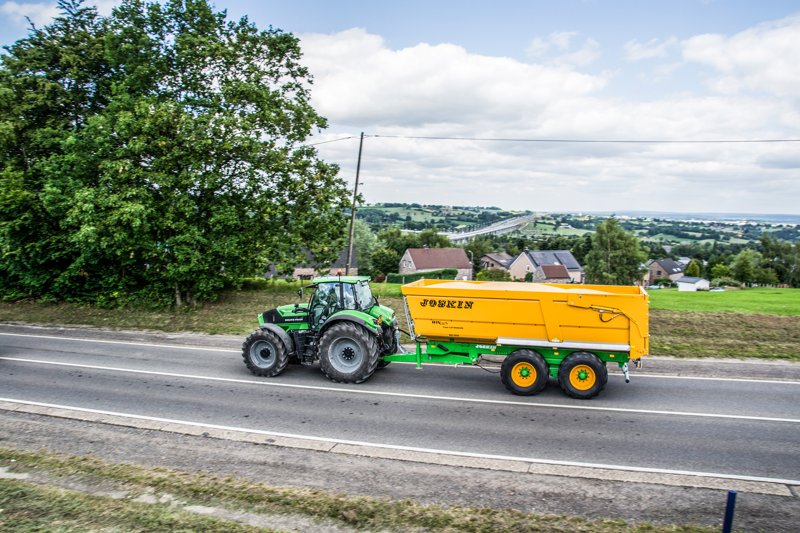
(264, 353)
(582, 375)
(348, 353)
(524, 372)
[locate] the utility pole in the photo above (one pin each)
(353, 209)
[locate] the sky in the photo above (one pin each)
(547, 106)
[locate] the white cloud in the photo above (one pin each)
(38, 13)
(359, 80)
(557, 49)
(654, 48)
(442, 90)
(764, 58)
(43, 13)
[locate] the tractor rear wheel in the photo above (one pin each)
(524, 372)
(264, 353)
(348, 353)
(582, 375)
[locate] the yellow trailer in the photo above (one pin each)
(567, 332)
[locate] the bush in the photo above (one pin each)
(725, 282)
(494, 274)
(447, 273)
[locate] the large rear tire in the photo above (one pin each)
(582, 375)
(524, 372)
(264, 353)
(348, 353)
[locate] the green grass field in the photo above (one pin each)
(782, 302)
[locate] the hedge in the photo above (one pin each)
(447, 273)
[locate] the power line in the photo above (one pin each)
(334, 140)
(587, 141)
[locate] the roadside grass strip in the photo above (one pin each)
(27, 505)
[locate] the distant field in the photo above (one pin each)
(784, 302)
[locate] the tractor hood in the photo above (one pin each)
(386, 314)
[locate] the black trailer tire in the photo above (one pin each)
(524, 373)
(582, 375)
(348, 353)
(264, 353)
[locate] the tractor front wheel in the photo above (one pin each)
(582, 375)
(264, 353)
(524, 372)
(348, 353)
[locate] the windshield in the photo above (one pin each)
(364, 295)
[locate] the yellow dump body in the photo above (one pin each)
(601, 317)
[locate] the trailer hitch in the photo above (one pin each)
(625, 371)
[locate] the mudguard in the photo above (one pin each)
(287, 340)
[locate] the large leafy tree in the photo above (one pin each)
(51, 83)
(186, 169)
(616, 257)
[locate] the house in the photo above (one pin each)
(499, 260)
(664, 269)
(529, 262)
(688, 284)
(416, 260)
(311, 269)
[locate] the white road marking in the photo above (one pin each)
(432, 365)
(125, 343)
(703, 378)
(412, 448)
(265, 383)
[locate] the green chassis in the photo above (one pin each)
(462, 353)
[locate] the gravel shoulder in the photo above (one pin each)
(426, 483)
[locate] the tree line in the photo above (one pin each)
(610, 255)
(157, 154)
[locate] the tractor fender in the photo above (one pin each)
(350, 318)
(287, 340)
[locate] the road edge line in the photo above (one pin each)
(402, 453)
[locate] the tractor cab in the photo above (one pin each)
(337, 293)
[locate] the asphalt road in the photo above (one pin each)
(729, 425)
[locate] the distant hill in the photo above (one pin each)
(658, 227)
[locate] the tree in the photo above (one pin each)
(744, 266)
(616, 257)
(720, 270)
(177, 164)
(365, 244)
(51, 83)
(398, 241)
(693, 269)
(430, 238)
(385, 261)
(476, 248)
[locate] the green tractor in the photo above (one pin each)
(343, 327)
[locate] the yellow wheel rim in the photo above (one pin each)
(582, 377)
(523, 374)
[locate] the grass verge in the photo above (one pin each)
(27, 506)
(675, 330)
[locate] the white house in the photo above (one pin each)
(689, 284)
